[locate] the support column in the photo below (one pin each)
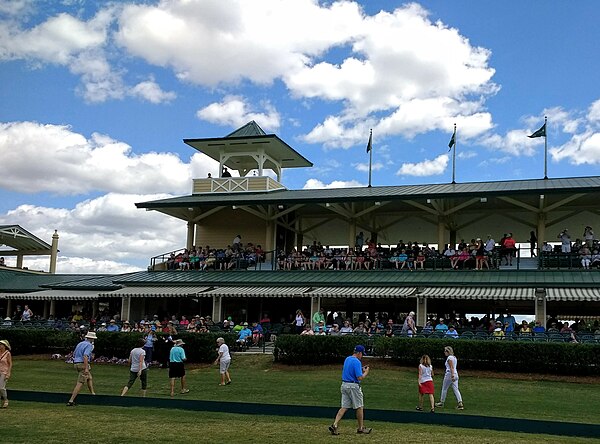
(53, 309)
(95, 307)
(441, 229)
(46, 309)
(190, 235)
(9, 308)
(421, 311)
(540, 307)
(269, 236)
(352, 233)
(125, 308)
(299, 235)
(315, 306)
(217, 310)
(54, 252)
(541, 231)
(20, 261)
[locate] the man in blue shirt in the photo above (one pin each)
(112, 326)
(82, 357)
(352, 397)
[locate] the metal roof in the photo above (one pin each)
(19, 239)
(57, 295)
(15, 280)
(385, 193)
(363, 278)
(478, 293)
(245, 140)
(573, 294)
(157, 292)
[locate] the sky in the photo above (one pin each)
(96, 97)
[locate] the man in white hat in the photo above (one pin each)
(82, 357)
(224, 361)
(176, 366)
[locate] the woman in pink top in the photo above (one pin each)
(5, 369)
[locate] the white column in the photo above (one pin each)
(217, 308)
(54, 252)
(190, 235)
(125, 308)
(315, 306)
(46, 309)
(9, 308)
(421, 311)
(53, 308)
(540, 307)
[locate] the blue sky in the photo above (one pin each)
(97, 97)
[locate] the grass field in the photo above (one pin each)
(256, 379)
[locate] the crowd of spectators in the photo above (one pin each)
(206, 258)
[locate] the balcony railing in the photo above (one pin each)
(250, 184)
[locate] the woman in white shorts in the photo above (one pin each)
(224, 360)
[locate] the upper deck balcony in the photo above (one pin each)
(251, 184)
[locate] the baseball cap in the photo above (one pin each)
(359, 349)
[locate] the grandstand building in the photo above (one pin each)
(256, 205)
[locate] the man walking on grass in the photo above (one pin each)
(224, 360)
(176, 366)
(352, 397)
(82, 357)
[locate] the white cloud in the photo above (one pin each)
(68, 163)
(313, 184)
(234, 111)
(580, 149)
(514, 142)
(466, 154)
(365, 166)
(594, 112)
(426, 168)
(151, 91)
(102, 235)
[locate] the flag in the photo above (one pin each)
(452, 140)
(370, 144)
(539, 133)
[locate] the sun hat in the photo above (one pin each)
(179, 342)
(8, 318)
(91, 335)
(6, 343)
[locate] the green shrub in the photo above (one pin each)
(502, 356)
(27, 341)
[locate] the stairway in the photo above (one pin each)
(525, 263)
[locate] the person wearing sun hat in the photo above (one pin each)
(176, 366)
(5, 370)
(82, 357)
(352, 397)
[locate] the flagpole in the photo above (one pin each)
(545, 148)
(370, 155)
(454, 157)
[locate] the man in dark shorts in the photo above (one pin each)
(352, 396)
(176, 366)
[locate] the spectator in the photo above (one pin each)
(450, 379)
(225, 172)
(538, 328)
(5, 371)
(299, 321)
(347, 328)
(498, 333)
(149, 340)
(257, 333)
(426, 382)
(441, 326)
(320, 329)
(586, 257)
(224, 361)
(451, 333)
(137, 368)
(565, 240)
(428, 329)
(525, 327)
(126, 327)
(237, 243)
(532, 243)
(588, 236)
(27, 314)
(2, 263)
(546, 247)
(566, 328)
(510, 319)
(244, 335)
(113, 327)
(335, 330)
(409, 328)
(177, 359)
(319, 316)
(82, 357)
(509, 248)
(307, 331)
(102, 327)
(360, 329)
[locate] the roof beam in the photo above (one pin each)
(338, 209)
(287, 211)
(207, 213)
(256, 213)
(564, 201)
(370, 209)
(461, 206)
(560, 219)
(422, 207)
(518, 203)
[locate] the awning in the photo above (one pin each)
(266, 292)
(478, 293)
(363, 292)
(573, 294)
(157, 292)
(58, 295)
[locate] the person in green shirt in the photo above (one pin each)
(319, 316)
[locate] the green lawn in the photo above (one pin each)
(256, 379)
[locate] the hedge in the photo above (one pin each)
(502, 356)
(26, 341)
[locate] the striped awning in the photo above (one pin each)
(363, 292)
(267, 292)
(48, 295)
(573, 294)
(157, 292)
(478, 293)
